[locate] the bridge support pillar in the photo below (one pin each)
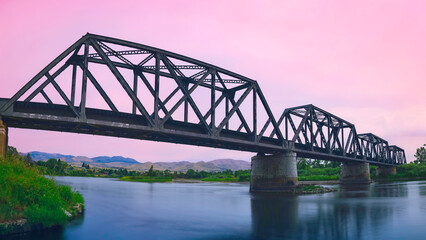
(385, 170)
(3, 139)
(354, 173)
(273, 173)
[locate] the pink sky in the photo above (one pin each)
(361, 60)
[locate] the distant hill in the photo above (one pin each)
(231, 164)
(41, 156)
(104, 159)
(132, 164)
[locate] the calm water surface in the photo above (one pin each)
(128, 210)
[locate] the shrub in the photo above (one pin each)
(25, 193)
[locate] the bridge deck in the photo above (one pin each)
(107, 123)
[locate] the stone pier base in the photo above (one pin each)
(385, 170)
(354, 173)
(273, 173)
(3, 139)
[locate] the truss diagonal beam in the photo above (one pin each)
(123, 82)
(232, 101)
(46, 82)
(233, 109)
(152, 91)
(100, 89)
(299, 128)
(186, 93)
(184, 97)
(64, 97)
(46, 97)
(42, 73)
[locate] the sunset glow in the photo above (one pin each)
(360, 60)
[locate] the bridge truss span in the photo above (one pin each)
(108, 86)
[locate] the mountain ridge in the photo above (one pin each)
(132, 164)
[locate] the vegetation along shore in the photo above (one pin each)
(29, 200)
(308, 171)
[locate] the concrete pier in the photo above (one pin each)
(385, 170)
(3, 139)
(354, 173)
(273, 173)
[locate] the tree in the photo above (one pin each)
(302, 164)
(12, 152)
(28, 158)
(151, 171)
(85, 166)
(420, 154)
(190, 173)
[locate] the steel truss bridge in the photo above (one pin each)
(112, 87)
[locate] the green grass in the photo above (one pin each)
(25, 193)
(310, 188)
(406, 172)
(219, 179)
(145, 179)
(318, 178)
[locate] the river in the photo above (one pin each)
(131, 210)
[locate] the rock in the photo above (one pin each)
(78, 208)
(67, 213)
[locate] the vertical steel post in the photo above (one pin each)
(135, 89)
(286, 128)
(342, 144)
(212, 101)
(157, 88)
(312, 128)
(185, 105)
(254, 113)
(74, 75)
(227, 111)
(84, 83)
(328, 136)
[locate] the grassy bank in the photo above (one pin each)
(318, 174)
(145, 179)
(406, 172)
(25, 193)
(221, 179)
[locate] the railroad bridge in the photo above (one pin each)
(112, 87)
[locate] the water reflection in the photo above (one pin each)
(352, 213)
(126, 210)
(273, 215)
(54, 233)
(354, 191)
(390, 190)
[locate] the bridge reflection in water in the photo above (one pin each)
(353, 213)
(227, 211)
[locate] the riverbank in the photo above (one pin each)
(22, 225)
(28, 200)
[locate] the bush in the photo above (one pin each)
(25, 193)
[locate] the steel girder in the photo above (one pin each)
(375, 147)
(315, 130)
(221, 110)
(397, 155)
(223, 114)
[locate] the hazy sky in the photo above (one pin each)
(361, 60)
